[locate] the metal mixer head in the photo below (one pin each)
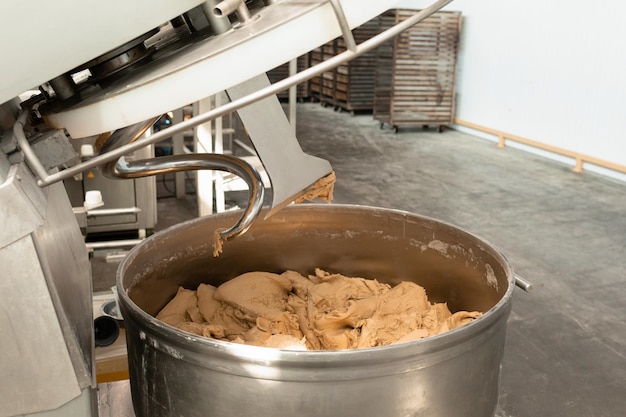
(291, 171)
(211, 64)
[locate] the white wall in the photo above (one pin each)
(552, 71)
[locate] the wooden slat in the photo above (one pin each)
(351, 85)
(416, 74)
(282, 72)
(112, 361)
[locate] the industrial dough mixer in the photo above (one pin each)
(107, 70)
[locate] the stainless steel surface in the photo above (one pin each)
(123, 169)
(114, 399)
(454, 374)
(219, 24)
(49, 149)
(45, 293)
(29, 154)
(129, 206)
(249, 99)
(290, 170)
(227, 7)
(116, 195)
(5, 166)
(523, 283)
(53, 148)
(272, 134)
(23, 204)
(344, 25)
(65, 263)
(124, 195)
(121, 137)
(118, 243)
(112, 212)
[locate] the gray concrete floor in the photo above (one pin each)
(566, 232)
(566, 341)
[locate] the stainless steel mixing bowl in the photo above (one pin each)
(455, 374)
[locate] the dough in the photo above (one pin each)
(322, 189)
(321, 312)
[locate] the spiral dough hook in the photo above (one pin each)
(123, 169)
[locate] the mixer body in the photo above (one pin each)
(453, 374)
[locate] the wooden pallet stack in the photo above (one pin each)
(322, 87)
(355, 79)
(349, 86)
(282, 72)
(416, 72)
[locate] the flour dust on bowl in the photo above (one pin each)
(175, 373)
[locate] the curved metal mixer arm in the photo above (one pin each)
(167, 164)
(123, 169)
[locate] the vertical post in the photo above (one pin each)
(579, 165)
(343, 25)
(293, 69)
(178, 142)
(203, 142)
(500, 140)
(220, 203)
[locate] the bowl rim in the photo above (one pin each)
(180, 339)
